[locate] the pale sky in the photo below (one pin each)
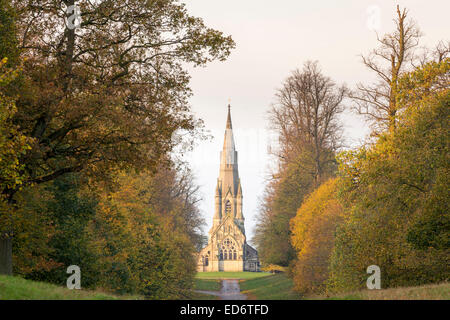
(273, 38)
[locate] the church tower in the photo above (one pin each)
(227, 248)
(228, 195)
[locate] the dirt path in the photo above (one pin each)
(230, 291)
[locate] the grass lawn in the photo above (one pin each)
(201, 296)
(275, 287)
(207, 284)
(16, 288)
(425, 292)
(231, 275)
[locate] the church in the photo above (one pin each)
(227, 248)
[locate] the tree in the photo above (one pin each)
(283, 197)
(389, 62)
(136, 235)
(13, 145)
(396, 192)
(70, 208)
(305, 117)
(146, 240)
(173, 191)
(8, 40)
(111, 93)
(313, 231)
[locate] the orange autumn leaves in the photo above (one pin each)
(389, 205)
(313, 231)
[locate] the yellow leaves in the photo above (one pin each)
(312, 208)
(13, 144)
(313, 231)
(429, 80)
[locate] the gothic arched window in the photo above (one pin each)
(206, 261)
(229, 248)
(228, 207)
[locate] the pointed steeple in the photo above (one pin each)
(229, 190)
(229, 154)
(229, 125)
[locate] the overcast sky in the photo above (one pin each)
(273, 38)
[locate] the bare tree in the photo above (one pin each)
(438, 54)
(173, 192)
(397, 50)
(305, 115)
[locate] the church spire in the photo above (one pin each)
(229, 154)
(228, 197)
(228, 175)
(229, 126)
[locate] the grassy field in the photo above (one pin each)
(231, 275)
(201, 296)
(207, 284)
(279, 287)
(425, 292)
(259, 286)
(16, 288)
(274, 287)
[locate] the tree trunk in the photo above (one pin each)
(6, 256)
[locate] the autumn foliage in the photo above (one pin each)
(313, 231)
(388, 203)
(396, 193)
(306, 118)
(92, 119)
(138, 236)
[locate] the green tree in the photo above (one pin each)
(70, 208)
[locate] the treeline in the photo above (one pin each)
(137, 236)
(92, 110)
(329, 214)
